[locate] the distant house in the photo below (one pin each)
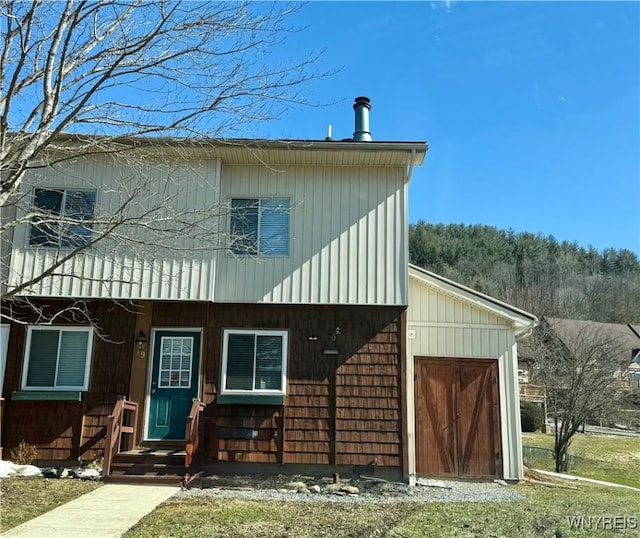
(563, 331)
(633, 370)
(289, 348)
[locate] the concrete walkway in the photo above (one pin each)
(106, 512)
(583, 479)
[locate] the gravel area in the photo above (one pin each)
(309, 489)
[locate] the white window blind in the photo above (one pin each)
(260, 226)
(57, 358)
(254, 361)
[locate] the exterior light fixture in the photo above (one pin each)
(141, 344)
(334, 335)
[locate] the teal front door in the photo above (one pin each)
(174, 383)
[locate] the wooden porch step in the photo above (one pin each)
(141, 480)
(150, 457)
(148, 465)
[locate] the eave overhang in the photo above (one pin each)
(521, 321)
(255, 151)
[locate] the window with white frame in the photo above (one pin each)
(64, 217)
(176, 359)
(254, 361)
(57, 358)
(260, 226)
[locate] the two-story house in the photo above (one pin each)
(269, 305)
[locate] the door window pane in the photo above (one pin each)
(176, 361)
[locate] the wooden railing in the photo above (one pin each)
(192, 434)
(532, 392)
(117, 425)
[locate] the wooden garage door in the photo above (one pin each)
(457, 418)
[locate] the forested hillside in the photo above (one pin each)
(533, 272)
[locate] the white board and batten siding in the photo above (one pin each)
(348, 240)
(446, 320)
(348, 235)
(114, 269)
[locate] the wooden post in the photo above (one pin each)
(282, 430)
(1, 423)
(402, 394)
(112, 438)
(139, 366)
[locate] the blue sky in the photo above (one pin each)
(531, 110)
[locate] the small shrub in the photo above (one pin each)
(23, 454)
(531, 417)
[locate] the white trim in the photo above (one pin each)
(454, 324)
(507, 448)
(61, 329)
(147, 395)
(522, 321)
(5, 331)
(510, 436)
(253, 392)
(512, 461)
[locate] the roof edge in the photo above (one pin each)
(415, 151)
(521, 318)
(254, 143)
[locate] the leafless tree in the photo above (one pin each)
(117, 81)
(581, 372)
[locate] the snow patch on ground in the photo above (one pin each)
(8, 469)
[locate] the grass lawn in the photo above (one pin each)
(230, 518)
(22, 499)
(614, 459)
(544, 513)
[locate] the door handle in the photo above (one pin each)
(153, 391)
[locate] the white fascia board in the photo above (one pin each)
(521, 321)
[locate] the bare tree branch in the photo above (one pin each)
(106, 81)
(580, 369)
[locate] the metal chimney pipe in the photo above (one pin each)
(362, 107)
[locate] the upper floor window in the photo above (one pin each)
(260, 226)
(65, 217)
(254, 361)
(57, 358)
